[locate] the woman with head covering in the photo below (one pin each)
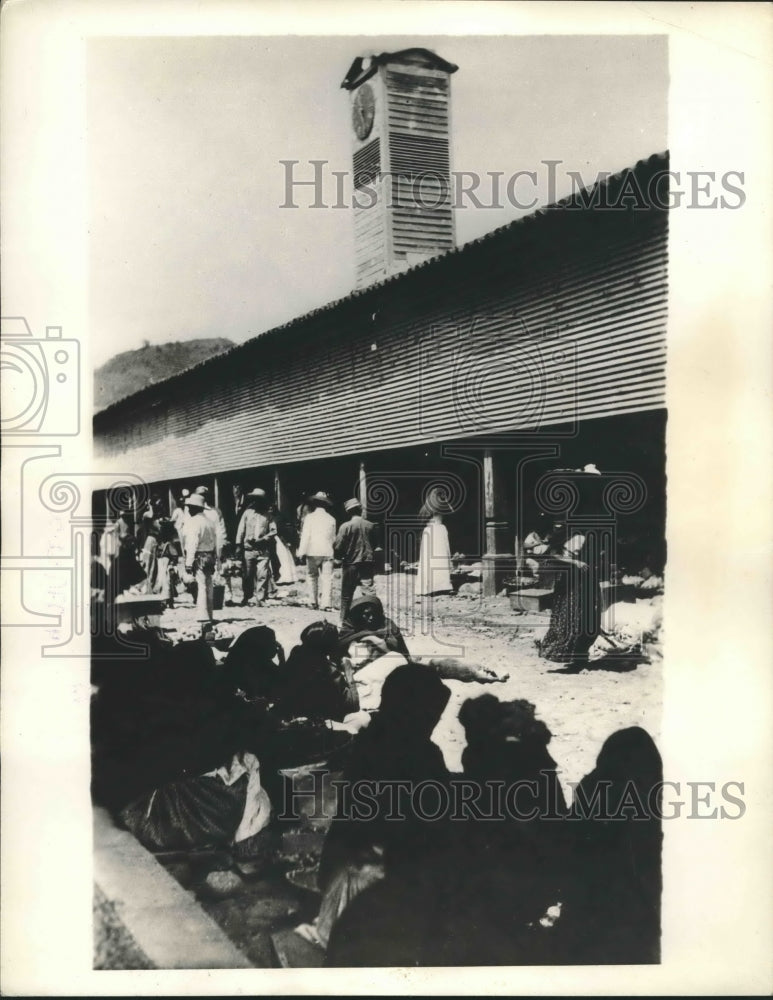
(313, 685)
(370, 647)
(613, 907)
(376, 646)
(281, 555)
(254, 664)
(366, 618)
(395, 748)
(575, 618)
(434, 573)
(505, 877)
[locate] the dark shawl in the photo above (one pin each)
(396, 746)
(615, 895)
(251, 664)
(354, 629)
(312, 685)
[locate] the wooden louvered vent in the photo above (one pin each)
(367, 164)
(420, 213)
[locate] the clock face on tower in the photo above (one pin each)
(363, 111)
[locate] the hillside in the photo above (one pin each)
(130, 371)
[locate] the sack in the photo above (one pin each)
(345, 885)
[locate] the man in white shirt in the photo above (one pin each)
(317, 536)
(199, 545)
(215, 517)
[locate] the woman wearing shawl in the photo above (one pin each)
(312, 684)
(575, 618)
(504, 890)
(282, 560)
(395, 747)
(613, 907)
(366, 618)
(434, 573)
(375, 646)
(254, 664)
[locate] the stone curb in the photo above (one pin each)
(165, 921)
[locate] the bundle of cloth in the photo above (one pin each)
(177, 743)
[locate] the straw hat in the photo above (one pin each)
(195, 500)
(257, 494)
(320, 498)
(352, 504)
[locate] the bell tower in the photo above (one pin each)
(400, 120)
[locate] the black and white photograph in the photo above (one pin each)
(367, 591)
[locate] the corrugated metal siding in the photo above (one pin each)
(519, 340)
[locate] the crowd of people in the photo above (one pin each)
(190, 743)
(197, 545)
(253, 541)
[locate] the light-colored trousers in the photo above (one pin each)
(203, 568)
(316, 567)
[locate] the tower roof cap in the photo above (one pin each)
(364, 67)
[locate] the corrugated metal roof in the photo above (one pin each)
(434, 267)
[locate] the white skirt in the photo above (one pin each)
(434, 574)
(286, 563)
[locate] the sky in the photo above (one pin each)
(188, 236)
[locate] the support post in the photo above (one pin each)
(277, 489)
(362, 486)
(216, 493)
(496, 530)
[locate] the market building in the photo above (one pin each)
(479, 369)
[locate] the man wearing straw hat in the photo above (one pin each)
(252, 545)
(199, 546)
(317, 535)
(213, 515)
(354, 546)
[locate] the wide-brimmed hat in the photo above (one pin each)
(320, 498)
(256, 494)
(353, 504)
(195, 500)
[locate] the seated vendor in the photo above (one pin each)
(312, 684)
(396, 747)
(373, 646)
